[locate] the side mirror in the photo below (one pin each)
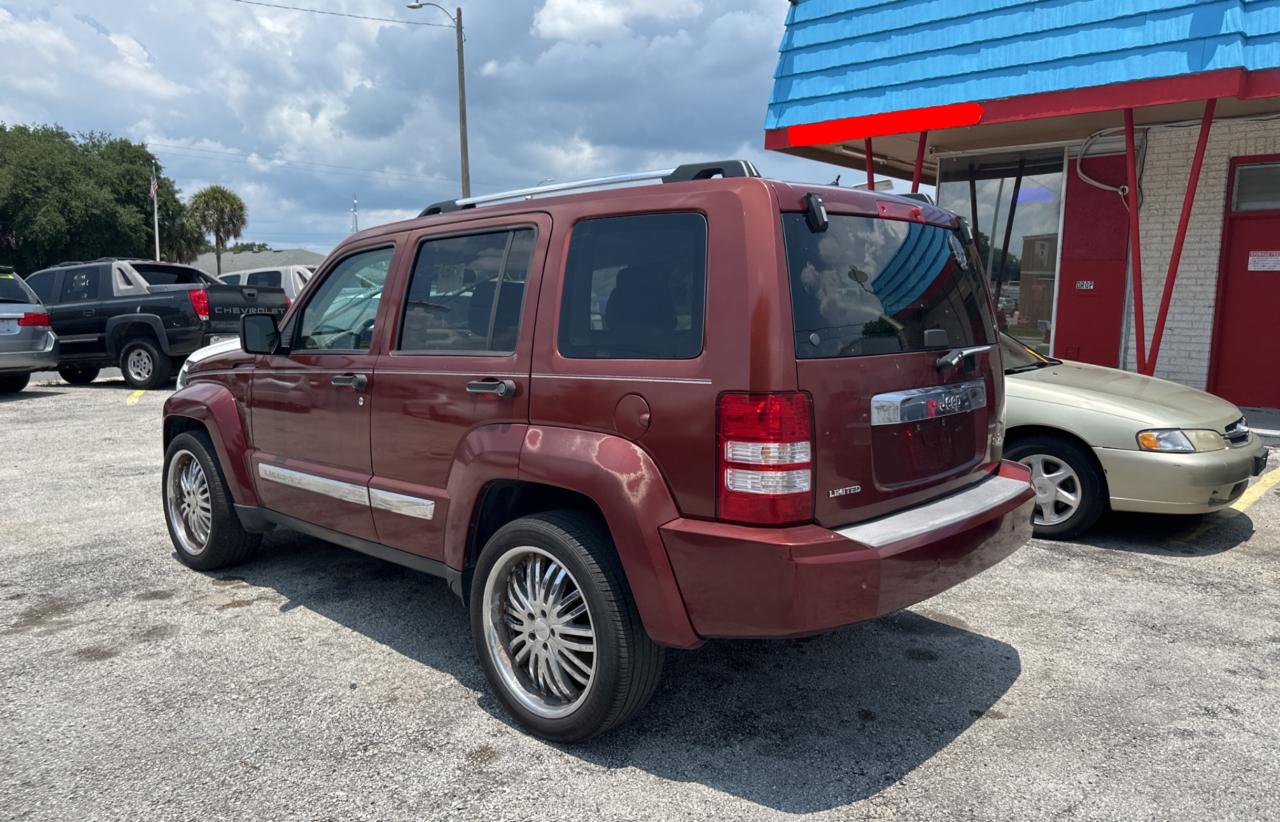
(259, 334)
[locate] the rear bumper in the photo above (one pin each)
(1180, 483)
(739, 581)
(45, 359)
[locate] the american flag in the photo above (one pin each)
(154, 185)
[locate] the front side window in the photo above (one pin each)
(79, 285)
(341, 315)
(231, 279)
(466, 294)
(635, 288)
(873, 286)
(42, 283)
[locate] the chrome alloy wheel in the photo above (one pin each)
(140, 365)
(538, 632)
(1057, 487)
(187, 502)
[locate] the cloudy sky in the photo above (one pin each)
(298, 111)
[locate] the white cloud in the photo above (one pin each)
(593, 20)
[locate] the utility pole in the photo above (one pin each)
(462, 93)
(355, 214)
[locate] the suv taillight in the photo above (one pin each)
(764, 463)
(200, 302)
(34, 319)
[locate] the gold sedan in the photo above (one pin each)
(1098, 438)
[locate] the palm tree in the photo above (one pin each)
(218, 211)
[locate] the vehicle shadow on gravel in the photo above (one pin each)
(27, 394)
(794, 725)
(1171, 536)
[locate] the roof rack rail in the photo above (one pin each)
(680, 174)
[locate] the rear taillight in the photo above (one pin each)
(764, 466)
(200, 302)
(34, 319)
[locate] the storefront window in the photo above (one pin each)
(1021, 255)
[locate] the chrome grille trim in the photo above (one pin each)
(912, 404)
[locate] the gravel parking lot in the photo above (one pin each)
(1131, 675)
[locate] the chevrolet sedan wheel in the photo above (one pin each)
(556, 630)
(1070, 487)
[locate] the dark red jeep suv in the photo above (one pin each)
(622, 419)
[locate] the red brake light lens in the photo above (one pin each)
(34, 319)
(200, 302)
(764, 470)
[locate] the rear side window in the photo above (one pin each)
(466, 294)
(269, 279)
(80, 284)
(159, 274)
(871, 286)
(12, 290)
(42, 283)
(635, 288)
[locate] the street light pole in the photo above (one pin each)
(462, 94)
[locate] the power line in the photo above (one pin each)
(344, 14)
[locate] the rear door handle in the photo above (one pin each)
(357, 381)
(89, 312)
(499, 388)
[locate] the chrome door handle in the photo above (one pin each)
(357, 381)
(499, 388)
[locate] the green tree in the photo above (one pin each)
(219, 212)
(253, 247)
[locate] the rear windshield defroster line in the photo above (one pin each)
(874, 286)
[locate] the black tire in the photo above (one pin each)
(78, 374)
(227, 542)
(626, 662)
(1091, 484)
(143, 366)
(13, 383)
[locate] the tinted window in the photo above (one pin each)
(160, 274)
(12, 290)
(635, 288)
(265, 278)
(341, 315)
(466, 293)
(42, 283)
(870, 286)
(79, 284)
(231, 279)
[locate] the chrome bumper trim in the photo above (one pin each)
(937, 514)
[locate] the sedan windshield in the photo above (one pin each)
(1017, 357)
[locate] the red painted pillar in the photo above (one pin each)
(919, 169)
(871, 164)
(1135, 241)
(1175, 256)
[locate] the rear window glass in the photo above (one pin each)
(872, 286)
(12, 290)
(170, 274)
(269, 279)
(635, 288)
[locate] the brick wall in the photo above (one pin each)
(1184, 351)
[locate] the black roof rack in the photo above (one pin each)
(680, 174)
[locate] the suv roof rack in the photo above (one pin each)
(680, 174)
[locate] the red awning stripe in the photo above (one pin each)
(874, 125)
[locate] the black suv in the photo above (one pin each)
(141, 315)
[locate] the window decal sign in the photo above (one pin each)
(1264, 260)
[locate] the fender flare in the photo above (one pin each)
(626, 484)
(150, 320)
(214, 406)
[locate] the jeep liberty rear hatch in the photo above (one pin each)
(878, 303)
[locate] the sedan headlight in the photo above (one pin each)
(1177, 441)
